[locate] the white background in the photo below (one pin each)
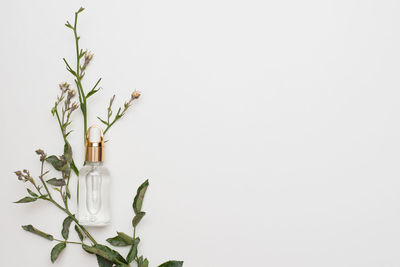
(269, 130)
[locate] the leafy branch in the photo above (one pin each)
(45, 189)
(79, 71)
(120, 113)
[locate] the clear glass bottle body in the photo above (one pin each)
(94, 195)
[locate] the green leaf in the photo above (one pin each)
(35, 231)
(74, 168)
(80, 10)
(125, 237)
(55, 252)
(32, 193)
(121, 240)
(56, 162)
(105, 252)
(26, 200)
(138, 217)
(103, 121)
(133, 251)
(145, 263)
(101, 251)
(138, 201)
(93, 91)
(172, 264)
(69, 25)
(117, 242)
(121, 259)
(103, 262)
(65, 227)
(68, 152)
(140, 261)
(56, 182)
(79, 232)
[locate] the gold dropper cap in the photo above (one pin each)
(94, 150)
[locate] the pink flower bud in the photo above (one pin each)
(136, 94)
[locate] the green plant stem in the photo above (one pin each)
(72, 162)
(69, 242)
(65, 200)
(82, 98)
(108, 127)
(134, 237)
(65, 142)
(43, 182)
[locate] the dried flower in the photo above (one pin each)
(74, 106)
(19, 175)
(64, 86)
(41, 153)
(71, 93)
(88, 57)
(135, 95)
(24, 176)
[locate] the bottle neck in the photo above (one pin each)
(94, 163)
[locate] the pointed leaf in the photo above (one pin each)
(117, 242)
(35, 231)
(55, 162)
(125, 237)
(65, 227)
(74, 168)
(133, 251)
(32, 193)
(80, 10)
(55, 252)
(121, 240)
(68, 152)
(103, 121)
(68, 25)
(138, 201)
(26, 200)
(145, 263)
(172, 264)
(105, 252)
(103, 262)
(138, 217)
(92, 92)
(56, 182)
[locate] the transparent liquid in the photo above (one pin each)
(93, 195)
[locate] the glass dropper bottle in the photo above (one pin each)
(94, 182)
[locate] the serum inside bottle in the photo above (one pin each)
(94, 182)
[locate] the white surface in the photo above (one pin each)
(268, 129)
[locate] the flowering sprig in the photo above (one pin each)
(121, 111)
(44, 189)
